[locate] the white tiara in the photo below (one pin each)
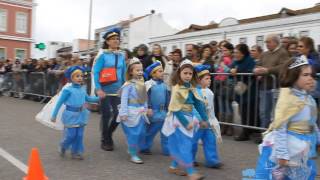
(134, 60)
(299, 61)
(186, 61)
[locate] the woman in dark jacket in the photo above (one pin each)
(141, 52)
(244, 87)
(156, 55)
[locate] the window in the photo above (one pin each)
(2, 53)
(3, 20)
(243, 40)
(164, 50)
(174, 47)
(125, 33)
(20, 54)
(259, 41)
(304, 33)
(21, 22)
(54, 43)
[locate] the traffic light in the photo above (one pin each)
(40, 46)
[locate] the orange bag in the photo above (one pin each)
(109, 75)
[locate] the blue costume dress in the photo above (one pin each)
(180, 139)
(208, 135)
(74, 117)
(158, 101)
(293, 136)
(134, 106)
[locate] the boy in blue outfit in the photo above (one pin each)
(158, 101)
(75, 116)
(209, 131)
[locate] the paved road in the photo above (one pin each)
(19, 132)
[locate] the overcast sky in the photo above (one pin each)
(63, 20)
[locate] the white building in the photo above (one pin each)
(303, 22)
(53, 46)
(135, 31)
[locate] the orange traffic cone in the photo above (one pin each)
(35, 171)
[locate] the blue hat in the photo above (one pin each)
(70, 70)
(111, 32)
(151, 69)
(202, 70)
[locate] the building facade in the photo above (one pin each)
(287, 22)
(16, 22)
(135, 31)
(54, 46)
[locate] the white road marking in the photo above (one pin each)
(13, 160)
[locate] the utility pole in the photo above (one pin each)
(89, 28)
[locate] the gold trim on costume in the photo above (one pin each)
(203, 72)
(301, 127)
(112, 34)
(156, 69)
(287, 106)
(179, 96)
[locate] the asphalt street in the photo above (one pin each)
(19, 133)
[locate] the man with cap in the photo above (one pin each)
(158, 101)
(108, 72)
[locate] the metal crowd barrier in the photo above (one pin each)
(242, 92)
(37, 84)
(243, 88)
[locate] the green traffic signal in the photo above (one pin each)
(40, 46)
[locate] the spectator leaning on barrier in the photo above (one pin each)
(192, 53)
(141, 52)
(2, 66)
(306, 48)
(293, 48)
(109, 63)
(245, 95)
(270, 63)
(214, 50)
(172, 65)
(255, 52)
(128, 55)
(176, 59)
(285, 42)
(8, 65)
(156, 55)
(189, 48)
(224, 92)
(206, 56)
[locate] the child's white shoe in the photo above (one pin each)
(136, 160)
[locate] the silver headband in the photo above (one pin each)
(185, 62)
(299, 61)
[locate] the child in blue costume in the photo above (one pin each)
(290, 144)
(181, 124)
(158, 101)
(133, 108)
(209, 131)
(75, 116)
